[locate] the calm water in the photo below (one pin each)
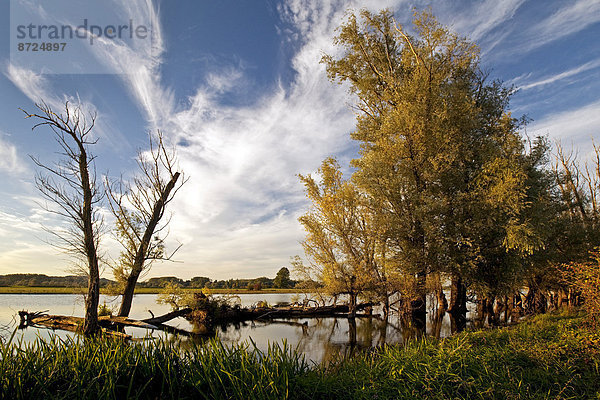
(318, 338)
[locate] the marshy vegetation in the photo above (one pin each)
(548, 356)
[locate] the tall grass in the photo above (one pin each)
(108, 368)
(549, 357)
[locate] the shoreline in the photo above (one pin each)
(74, 290)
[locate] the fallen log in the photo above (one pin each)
(167, 317)
(108, 320)
(230, 315)
(208, 318)
(307, 312)
(111, 325)
(62, 322)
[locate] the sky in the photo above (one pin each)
(236, 86)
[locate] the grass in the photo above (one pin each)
(547, 357)
(72, 290)
(40, 290)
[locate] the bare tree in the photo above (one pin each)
(70, 184)
(139, 208)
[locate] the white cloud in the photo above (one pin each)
(238, 213)
(484, 17)
(22, 246)
(10, 161)
(35, 86)
(554, 78)
(573, 17)
(576, 127)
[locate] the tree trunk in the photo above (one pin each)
(128, 293)
(442, 303)
(509, 308)
(352, 305)
(489, 303)
(457, 323)
(141, 254)
(518, 304)
(419, 303)
(499, 308)
(90, 325)
(535, 301)
(458, 296)
(481, 307)
(563, 299)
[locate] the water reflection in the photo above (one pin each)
(320, 339)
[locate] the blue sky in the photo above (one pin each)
(238, 88)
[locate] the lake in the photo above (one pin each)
(320, 339)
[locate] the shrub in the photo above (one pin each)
(104, 310)
(584, 278)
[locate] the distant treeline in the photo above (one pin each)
(41, 280)
(200, 282)
(282, 280)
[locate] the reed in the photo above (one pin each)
(551, 356)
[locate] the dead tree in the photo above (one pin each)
(70, 184)
(139, 208)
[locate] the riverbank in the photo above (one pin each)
(549, 356)
(72, 290)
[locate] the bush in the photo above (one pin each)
(584, 278)
(104, 310)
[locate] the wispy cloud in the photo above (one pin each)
(573, 17)
(18, 252)
(239, 211)
(575, 127)
(240, 207)
(34, 85)
(10, 161)
(38, 88)
(554, 78)
(483, 18)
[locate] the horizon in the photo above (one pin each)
(239, 90)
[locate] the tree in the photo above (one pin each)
(70, 185)
(138, 209)
(282, 279)
(340, 243)
(584, 277)
(437, 142)
(576, 230)
(199, 282)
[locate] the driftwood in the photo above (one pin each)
(110, 325)
(167, 317)
(68, 323)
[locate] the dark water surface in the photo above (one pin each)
(320, 339)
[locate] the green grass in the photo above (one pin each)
(40, 290)
(71, 290)
(547, 357)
